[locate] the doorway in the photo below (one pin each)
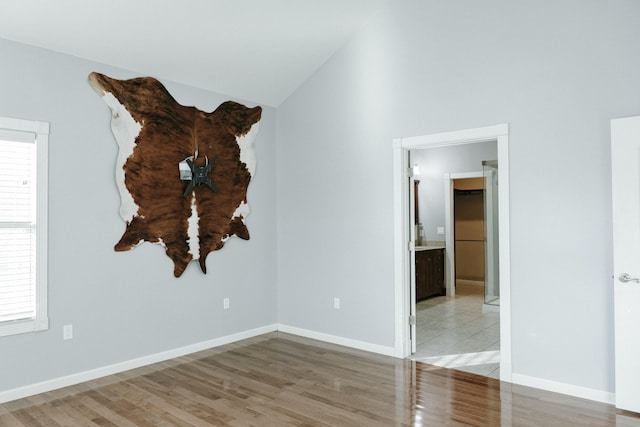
(404, 235)
(457, 330)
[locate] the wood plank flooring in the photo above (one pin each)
(283, 380)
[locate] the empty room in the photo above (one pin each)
(211, 212)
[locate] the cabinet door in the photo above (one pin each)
(421, 275)
(429, 273)
(430, 276)
(439, 271)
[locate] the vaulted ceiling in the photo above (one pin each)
(258, 50)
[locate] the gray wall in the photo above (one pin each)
(123, 305)
(434, 163)
(557, 72)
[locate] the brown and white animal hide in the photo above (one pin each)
(154, 134)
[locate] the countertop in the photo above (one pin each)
(428, 248)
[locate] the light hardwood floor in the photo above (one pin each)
(280, 380)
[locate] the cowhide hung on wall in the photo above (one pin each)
(182, 173)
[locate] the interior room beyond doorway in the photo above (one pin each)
(455, 331)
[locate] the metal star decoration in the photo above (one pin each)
(200, 175)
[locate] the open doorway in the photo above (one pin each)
(405, 233)
(454, 328)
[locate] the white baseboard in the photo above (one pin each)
(564, 388)
(56, 383)
(360, 345)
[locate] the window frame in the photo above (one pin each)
(41, 131)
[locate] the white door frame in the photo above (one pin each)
(449, 218)
(402, 267)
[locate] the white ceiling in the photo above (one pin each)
(258, 50)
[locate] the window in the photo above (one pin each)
(23, 226)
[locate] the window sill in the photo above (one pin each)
(23, 326)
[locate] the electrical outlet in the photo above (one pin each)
(440, 230)
(67, 332)
(225, 303)
(336, 303)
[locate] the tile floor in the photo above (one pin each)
(455, 333)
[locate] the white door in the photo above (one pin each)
(625, 171)
(412, 256)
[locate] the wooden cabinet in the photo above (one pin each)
(429, 273)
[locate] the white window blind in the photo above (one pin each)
(22, 226)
